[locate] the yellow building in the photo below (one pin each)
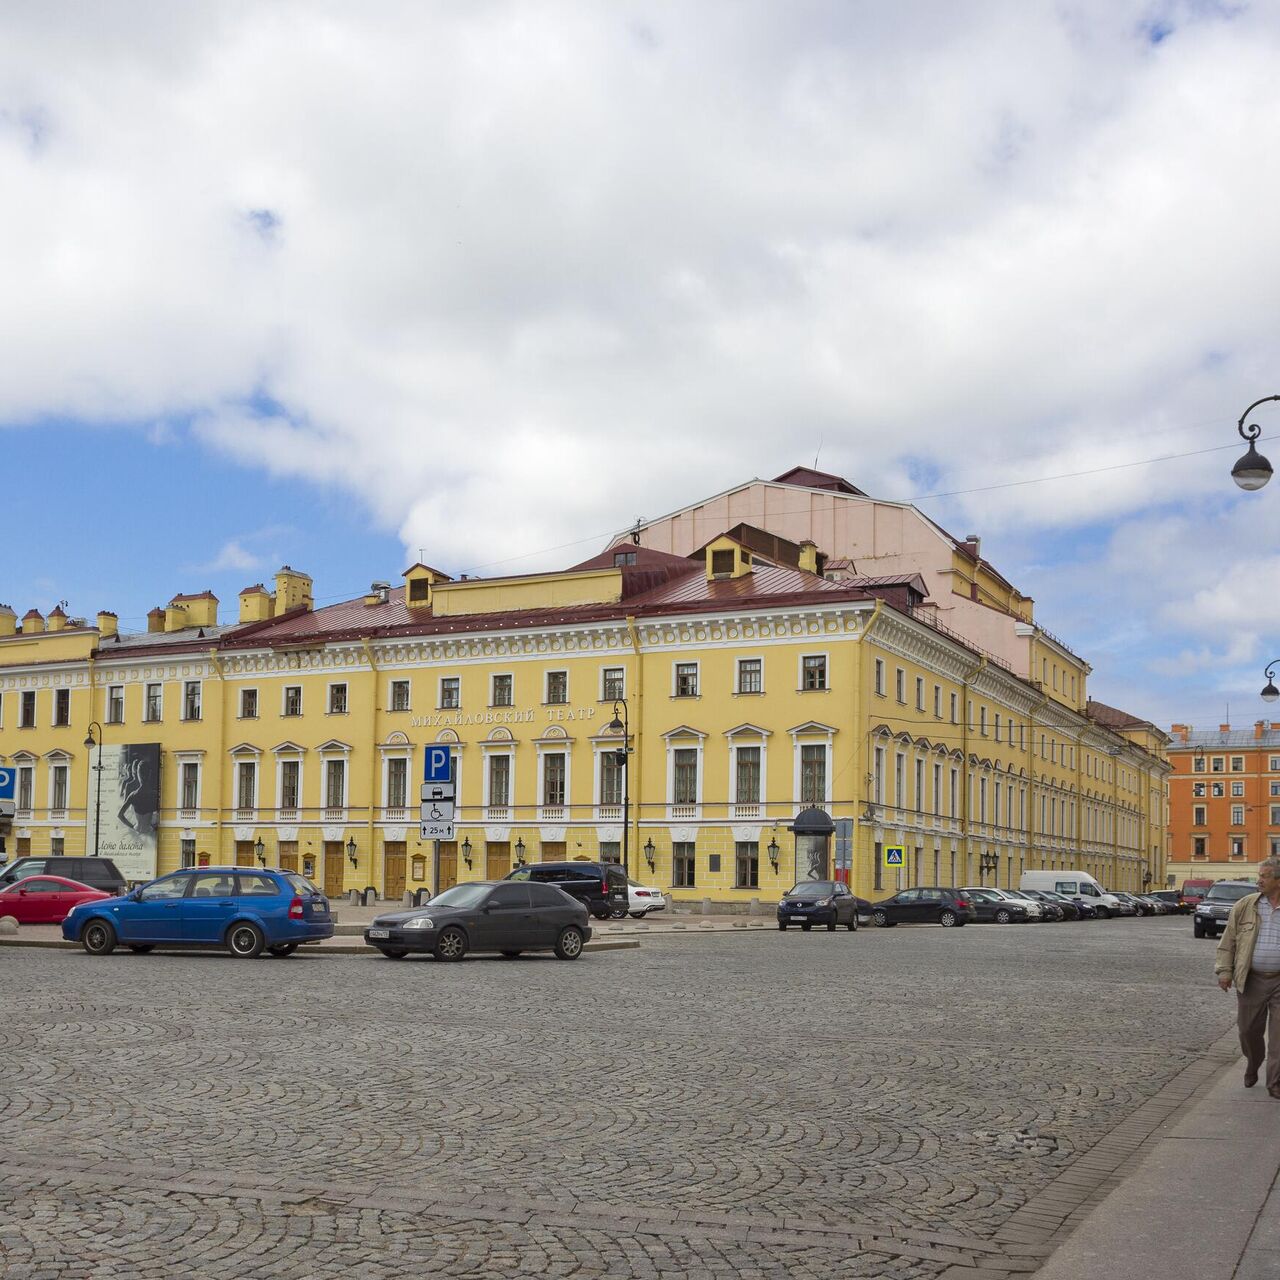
(753, 684)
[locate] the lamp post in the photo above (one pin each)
(466, 851)
(90, 740)
(1269, 691)
(649, 852)
(351, 851)
(620, 725)
(1252, 471)
(987, 862)
(260, 850)
(519, 851)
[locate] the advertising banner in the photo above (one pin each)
(124, 808)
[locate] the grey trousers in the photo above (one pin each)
(1258, 1012)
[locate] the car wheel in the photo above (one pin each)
(141, 948)
(98, 938)
(569, 943)
(284, 949)
(1210, 933)
(451, 944)
(853, 922)
(831, 925)
(880, 919)
(637, 915)
(618, 913)
(393, 953)
(1104, 913)
(1003, 917)
(782, 924)
(244, 941)
(602, 913)
(511, 955)
(948, 919)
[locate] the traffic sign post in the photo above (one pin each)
(895, 856)
(439, 794)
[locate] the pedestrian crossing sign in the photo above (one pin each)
(893, 855)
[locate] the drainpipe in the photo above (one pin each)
(861, 685)
(966, 814)
(1029, 834)
(221, 755)
(374, 757)
(638, 754)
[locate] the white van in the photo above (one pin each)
(1073, 884)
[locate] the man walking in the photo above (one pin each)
(1249, 956)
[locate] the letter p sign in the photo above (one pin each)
(436, 766)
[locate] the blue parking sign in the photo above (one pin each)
(8, 784)
(436, 766)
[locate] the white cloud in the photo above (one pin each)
(231, 556)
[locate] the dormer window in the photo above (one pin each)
(419, 590)
(623, 557)
(722, 564)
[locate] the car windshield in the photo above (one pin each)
(462, 895)
(1230, 892)
(812, 889)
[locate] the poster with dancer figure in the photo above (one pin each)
(124, 808)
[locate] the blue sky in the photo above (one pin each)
(314, 284)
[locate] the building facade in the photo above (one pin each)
(752, 682)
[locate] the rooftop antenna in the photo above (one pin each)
(821, 441)
(635, 531)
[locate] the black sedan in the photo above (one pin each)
(1067, 910)
(507, 916)
(818, 902)
(991, 908)
(929, 905)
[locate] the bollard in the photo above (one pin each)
(753, 907)
(422, 896)
(353, 896)
(8, 924)
(706, 906)
(370, 896)
(406, 899)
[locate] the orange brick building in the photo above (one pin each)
(1224, 800)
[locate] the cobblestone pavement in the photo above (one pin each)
(753, 1104)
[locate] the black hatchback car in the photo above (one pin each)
(97, 873)
(813, 902)
(485, 916)
(600, 886)
(926, 905)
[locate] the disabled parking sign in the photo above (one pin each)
(893, 855)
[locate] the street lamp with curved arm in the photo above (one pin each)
(1252, 471)
(619, 724)
(1269, 691)
(93, 738)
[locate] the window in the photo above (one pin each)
(1218, 789)
(937, 702)
(397, 782)
(982, 721)
(57, 846)
(813, 774)
(878, 777)
(900, 685)
(27, 712)
(721, 564)
(997, 726)
(1197, 789)
(746, 782)
(746, 872)
(167, 889)
(290, 783)
(499, 781)
(1274, 820)
(337, 699)
(502, 692)
(188, 850)
(335, 784)
(190, 782)
(1274, 764)
(292, 700)
(610, 851)
(450, 692)
(26, 785)
(153, 703)
(1237, 764)
(1216, 764)
(919, 786)
(686, 679)
(246, 784)
(58, 789)
(1237, 815)
(1197, 764)
(419, 590)
(880, 676)
(1237, 788)
(248, 704)
(1237, 847)
(684, 776)
(115, 704)
(399, 695)
(683, 872)
(553, 775)
(557, 687)
(955, 708)
(610, 778)
(1197, 847)
(612, 684)
(750, 675)
(1275, 788)
(813, 671)
(191, 700)
(62, 706)
(621, 558)
(900, 780)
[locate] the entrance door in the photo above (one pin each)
(289, 855)
(244, 853)
(333, 868)
(448, 865)
(497, 860)
(393, 855)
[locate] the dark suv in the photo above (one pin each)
(928, 904)
(1211, 912)
(601, 886)
(97, 873)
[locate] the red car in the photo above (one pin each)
(45, 899)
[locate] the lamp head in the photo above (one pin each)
(1252, 470)
(1270, 693)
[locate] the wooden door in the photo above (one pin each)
(289, 855)
(393, 855)
(497, 860)
(448, 865)
(244, 853)
(333, 868)
(553, 851)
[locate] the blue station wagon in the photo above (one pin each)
(239, 909)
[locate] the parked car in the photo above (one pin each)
(925, 905)
(1193, 891)
(990, 908)
(1172, 899)
(1064, 904)
(811, 902)
(484, 915)
(1048, 911)
(601, 886)
(1140, 907)
(642, 900)
(1122, 904)
(1158, 905)
(97, 873)
(1087, 910)
(1210, 916)
(233, 908)
(45, 899)
(1032, 909)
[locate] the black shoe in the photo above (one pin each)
(1250, 1077)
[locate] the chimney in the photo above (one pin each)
(108, 625)
(57, 619)
(32, 622)
(293, 590)
(8, 621)
(255, 604)
(175, 617)
(1182, 731)
(200, 610)
(974, 543)
(379, 593)
(809, 556)
(1259, 728)
(155, 619)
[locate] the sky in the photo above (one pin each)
(342, 286)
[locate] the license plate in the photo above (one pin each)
(379, 933)
(318, 910)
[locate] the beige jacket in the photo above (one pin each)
(1235, 948)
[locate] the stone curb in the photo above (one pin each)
(309, 950)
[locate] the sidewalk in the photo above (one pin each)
(1204, 1202)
